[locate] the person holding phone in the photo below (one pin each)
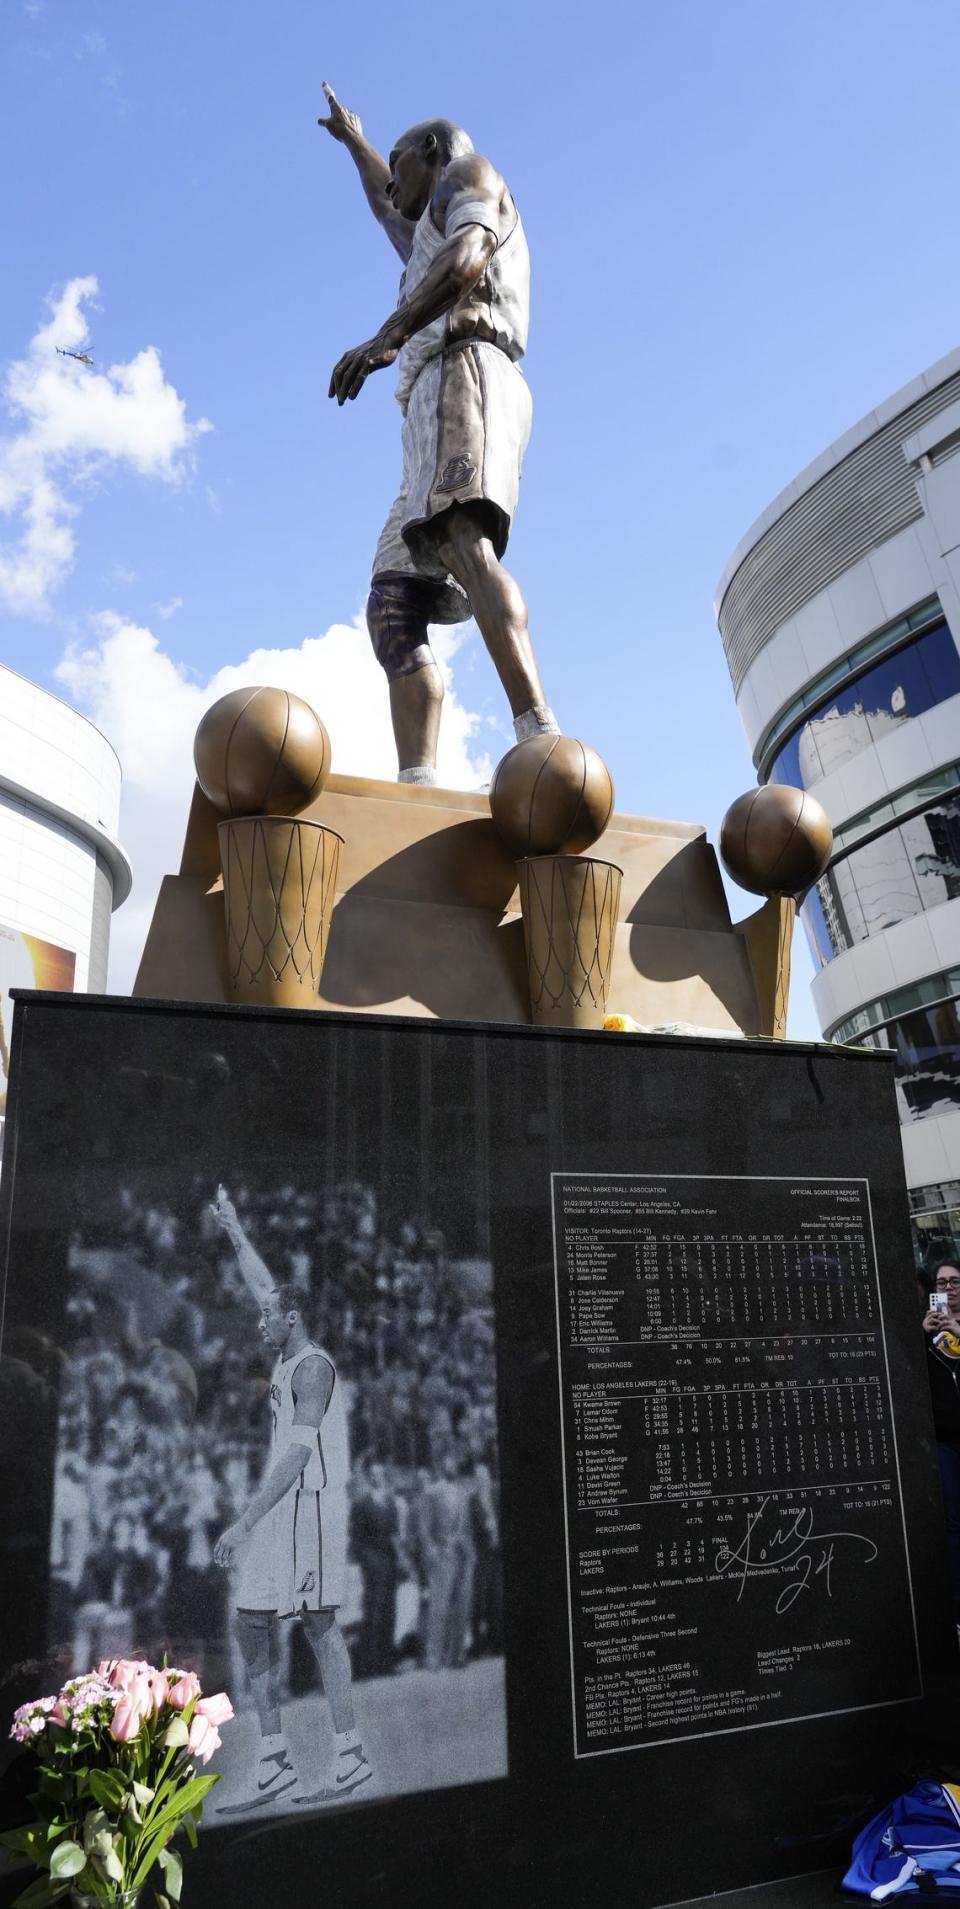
(941, 1324)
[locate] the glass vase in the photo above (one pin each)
(123, 1899)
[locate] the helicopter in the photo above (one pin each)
(82, 357)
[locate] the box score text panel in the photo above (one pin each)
(735, 1542)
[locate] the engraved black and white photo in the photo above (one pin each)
(277, 1461)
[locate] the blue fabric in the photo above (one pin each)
(915, 1837)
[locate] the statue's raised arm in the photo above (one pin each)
(344, 126)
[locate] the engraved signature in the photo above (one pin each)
(776, 1544)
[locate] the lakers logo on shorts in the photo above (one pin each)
(456, 473)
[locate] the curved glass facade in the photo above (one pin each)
(927, 993)
(927, 1049)
(862, 711)
(916, 795)
(897, 874)
(852, 663)
(935, 1211)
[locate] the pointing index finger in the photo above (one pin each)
(330, 94)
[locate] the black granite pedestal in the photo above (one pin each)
(644, 1586)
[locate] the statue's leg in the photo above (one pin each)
(397, 610)
(464, 545)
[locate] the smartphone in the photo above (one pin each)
(939, 1302)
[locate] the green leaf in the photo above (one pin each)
(109, 1861)
(56, 1786)
(40, 1893)
(166, 1820)
(175, 1803)
(67, 1860)
(107, 1788)
(94, 1824)
(176, 1734)
(143, 1793)
(27, 1841)
(151, 1853)
(190, 1795)
(190, 1828)
(172, 1872)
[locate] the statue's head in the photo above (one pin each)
(417, 160)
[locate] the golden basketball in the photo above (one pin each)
(775, 841)
(261, 752)
(551, 795)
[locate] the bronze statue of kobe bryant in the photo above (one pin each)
(457, 334)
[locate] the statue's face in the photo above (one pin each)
(412, 173)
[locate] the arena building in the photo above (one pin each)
(62, 869)
(840, 613)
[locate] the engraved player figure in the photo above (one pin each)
(290, 1542)
(457, 335)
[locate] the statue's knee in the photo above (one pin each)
(432, 682)
(463, 540)
(397, 622)
(456, 555)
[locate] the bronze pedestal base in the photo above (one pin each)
(427, 918)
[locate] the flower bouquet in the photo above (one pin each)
(117, 1752)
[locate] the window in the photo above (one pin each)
(936, 1238)
(914, 678)
(916, 994)
(915, 796)
(851, 664)
(935, 1216)
(933, 1198)
(903, 872)
(926, 1047)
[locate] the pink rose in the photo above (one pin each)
(216, 1709)
(135, 1704)
(127, 1669)
(159, 1689)
(184, 1690)
(204, 1739)
(58, 1713)
(125, 1722)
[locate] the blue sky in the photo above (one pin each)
(742, 219)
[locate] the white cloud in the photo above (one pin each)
(168, 608)
(149, 705)
(73, 422)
